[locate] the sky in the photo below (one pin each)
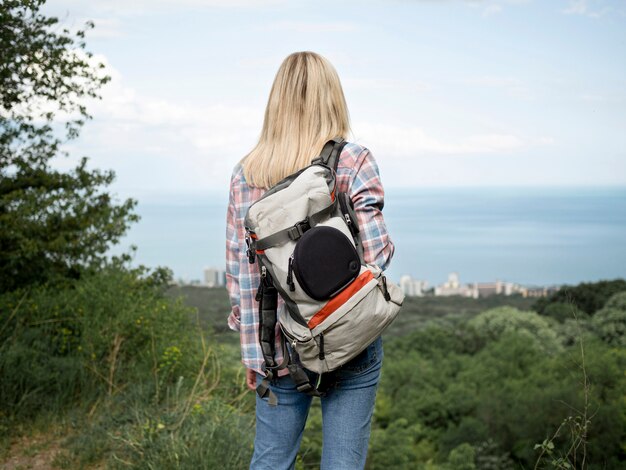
(446, 93)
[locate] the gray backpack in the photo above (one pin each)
(305, 238)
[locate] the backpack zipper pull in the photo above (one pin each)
(292, 286)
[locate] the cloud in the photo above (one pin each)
(395, 84)
(408, 142)
(589, 8)
(153, 142)
(105, 28)
(492, 9)
(159, 144)
(577, 7)
(125, 7)
(311, 27)
(512, 85)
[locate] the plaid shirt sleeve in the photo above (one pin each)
(232, 263)
(368, 196)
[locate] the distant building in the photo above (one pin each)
(486, 289)
(413, 287)
(538, 291)
(181, 281)
(453, 287)
(214, 277)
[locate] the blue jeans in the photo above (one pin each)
(347, 411)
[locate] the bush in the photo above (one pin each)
(97, 336)
(586, 296)
(494, 323)
(115, 342)
(513, 392)
(610, 322)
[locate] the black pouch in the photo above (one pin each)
(324, 262)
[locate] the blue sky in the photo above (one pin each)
(444, 93)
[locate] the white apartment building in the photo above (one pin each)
(413, 287)
(214, 277)
(453, 287)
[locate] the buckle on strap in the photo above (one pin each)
(305, 387)
(250, 251)
(298, 229)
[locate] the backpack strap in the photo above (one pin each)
(302, 381)
(295, 231)
(331, 152)
(267, 296)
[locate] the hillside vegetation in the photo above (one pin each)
(129, 375)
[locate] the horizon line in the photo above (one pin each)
(394, 187)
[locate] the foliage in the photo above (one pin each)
(493, 323)
(510, 393)
(462, 457)
(478, 393)
(96, 336)
(562, 311)
(586, 296)
(55, 224)
(610, 321)
(115, 341)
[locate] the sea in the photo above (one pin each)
(533, 236)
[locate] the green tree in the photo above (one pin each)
(462, 457)
(586, 296)
(55, 224)
(562, 311)
(493, 323)
(610, 322)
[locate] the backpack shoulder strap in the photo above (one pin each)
(330, 153)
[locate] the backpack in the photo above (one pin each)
(304, 236)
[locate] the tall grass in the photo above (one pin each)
(126, 369)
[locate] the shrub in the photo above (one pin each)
(610, 322)
(97, 336)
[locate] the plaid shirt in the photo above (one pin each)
(358, 175)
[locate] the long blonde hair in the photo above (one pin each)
(305, 109)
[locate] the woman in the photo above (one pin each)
(306, 108)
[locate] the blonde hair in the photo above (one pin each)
(305, 109)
